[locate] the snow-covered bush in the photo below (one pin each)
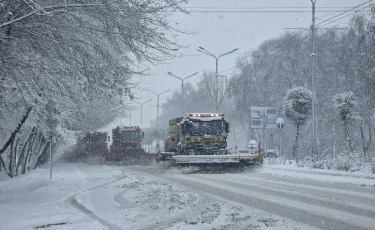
(297, 105)
(277, 160)
(346, 161)
(312, 162)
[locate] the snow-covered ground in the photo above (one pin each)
(84, 196)
(322, 175)
(33, 200)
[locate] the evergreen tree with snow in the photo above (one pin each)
(345, 103)
(297, 105)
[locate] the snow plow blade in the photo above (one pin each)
(230, 160)
(163, 156)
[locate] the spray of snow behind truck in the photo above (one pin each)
(201, 139)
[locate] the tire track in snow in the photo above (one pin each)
(164, 221)
(307, 196)
(277, 178)
(313, 215)
(72, 200)
(360, 197)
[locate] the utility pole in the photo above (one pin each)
(50, 147)
(157, 112)
(141, 104)
(130, 120)
(50, 109)
(313, 59)
(182, 88)
(216, 91)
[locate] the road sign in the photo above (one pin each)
(257, 120)
(280, 123)
(263, 117)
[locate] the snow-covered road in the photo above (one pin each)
(323, 205)
(85, 196)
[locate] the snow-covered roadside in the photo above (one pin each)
(321, 175)
(33, 200)
(82, 196)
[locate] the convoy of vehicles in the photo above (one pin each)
(197, 139)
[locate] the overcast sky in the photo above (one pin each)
(219, 32)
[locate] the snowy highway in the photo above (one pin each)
(89, 196)
(323, 205)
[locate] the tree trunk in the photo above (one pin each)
(10, 157)
(369, 139)
(333, 133)
(42, 157)
(29, 152)
(5, 168)
(13, 135)
(15, 151)
(348, 140)
(296, 143)
(22, 155)
(365, 145)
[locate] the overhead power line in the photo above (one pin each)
(342, 13)
(201, 55)
(228, 69)
(347, 11)
(263, 11)
(267, 7)
(330, 22)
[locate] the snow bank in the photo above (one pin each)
(323, 175)
(347, 161)
(33, 200)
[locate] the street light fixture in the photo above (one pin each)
(204, 51)
(141, 104)
(182, 88)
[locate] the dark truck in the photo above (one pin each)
(88, 144)
(96, 143)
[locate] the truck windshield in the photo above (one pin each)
(207, 127)
(128, 135)
(96, 137)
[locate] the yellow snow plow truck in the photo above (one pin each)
(200, 139)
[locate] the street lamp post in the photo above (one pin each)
(182, 88)
(204, 51)
(157, 112)
(130, 120)
(141, 104)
